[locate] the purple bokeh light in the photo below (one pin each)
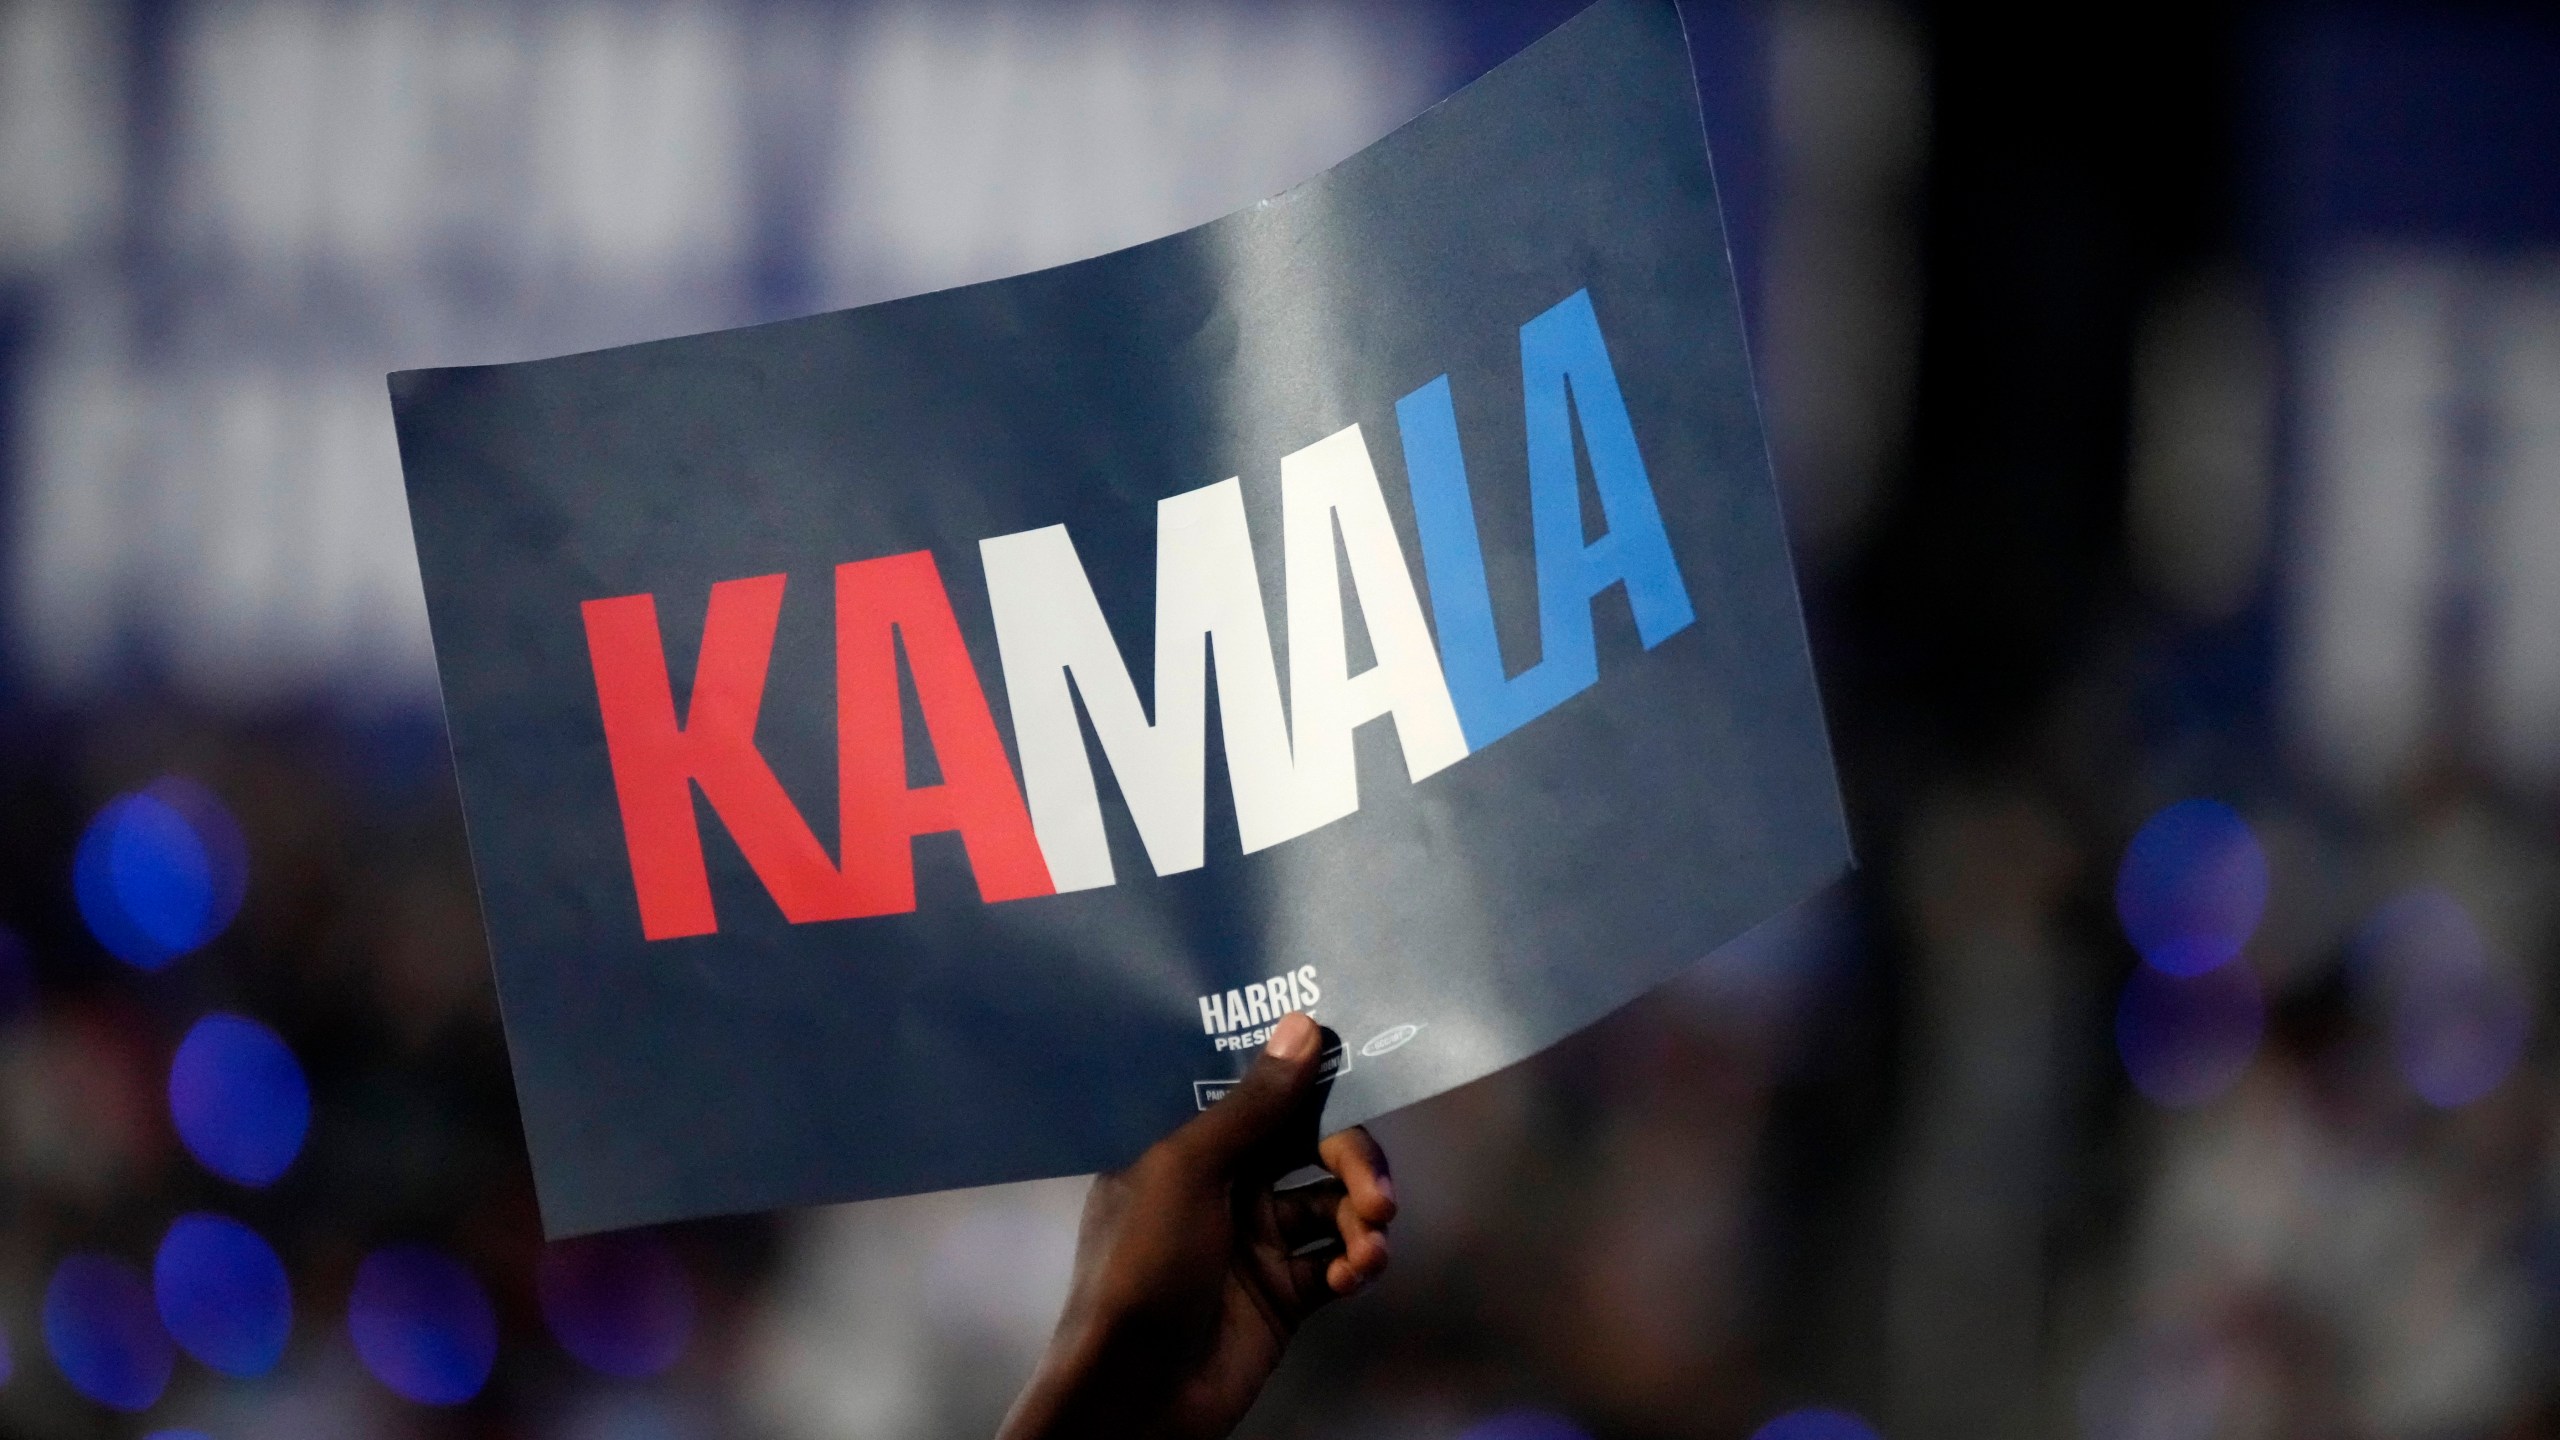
(160, 872)
(422, 1325)
(621, 1304)
(1816, 1423)
(239, 1099)
(2186, 1038)
(2458, 1021)
(223, 1294)
(2192, 887)
(104, 1334)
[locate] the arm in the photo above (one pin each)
(1189, 1280)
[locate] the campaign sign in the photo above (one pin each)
(929, 745)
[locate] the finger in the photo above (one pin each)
(1326, 1269)
(1323, 1246)
(1310, 1285)
(1355, 1157)
(1332, 1266)
(1305, 1214)
(1359, 1265)
(1364, 1247)
(1261, 1110)
(1318, 1222)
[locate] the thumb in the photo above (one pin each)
(1260, 1110)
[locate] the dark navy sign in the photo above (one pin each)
(929, 745)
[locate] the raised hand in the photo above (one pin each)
(1192, 1272)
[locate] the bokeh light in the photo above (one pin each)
(1525, 1425)
(2458, 1021)
(422, 1325)
(2186, 1038)
(2192, 887)
(1816, 1423)
(239, 1099)
(104, 1335)
(177, 1435)
(160, 872)
(223, 1294)
(621, 1304)
(8, 1359)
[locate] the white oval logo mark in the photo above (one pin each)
(1386, 1041)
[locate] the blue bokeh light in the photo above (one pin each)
(1525, 1425)
(620, 1303)
(8, 1359)
(422, 1325)
(2192, 887)
(177, 1435)
(239, 1099)
(2458, 1021)
(1816, 1422)
(223, 1294)
(2186, 1038)
(105, 1337)
(160, 872)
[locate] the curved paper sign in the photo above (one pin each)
(929, 745)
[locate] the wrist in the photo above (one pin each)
(1060, 1399)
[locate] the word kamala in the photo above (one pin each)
(1293, 771)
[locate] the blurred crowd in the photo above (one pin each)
(2166, 404)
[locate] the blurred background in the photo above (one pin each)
(2167, 405)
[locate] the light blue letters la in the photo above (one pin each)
(1561, 351)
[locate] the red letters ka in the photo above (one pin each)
(657, 762)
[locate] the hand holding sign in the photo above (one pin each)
(1192, 1273)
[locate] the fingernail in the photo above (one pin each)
(1294, 1038)
(1387, 1188)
